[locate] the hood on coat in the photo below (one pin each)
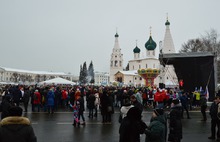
(15, 120)
(14, 123)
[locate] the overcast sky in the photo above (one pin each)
(60, 35)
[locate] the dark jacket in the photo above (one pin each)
(138, 105)
(175, 122)
(156, 131)
(81, 103)
(5, 106)
(132, 126)
(26, 96)
(16, 94)
(184, 100)
(16, 129)
(91, 101)
(213, 111)
(104, 103)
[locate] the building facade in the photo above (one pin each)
(17, 76)
(101, 78)
(167, 74)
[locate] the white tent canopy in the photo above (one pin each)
(56, 81)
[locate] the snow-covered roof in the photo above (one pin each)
(132, 72)
(146, 58)
(33, 72)
(57, 80)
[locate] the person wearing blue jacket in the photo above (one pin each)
(50, 101)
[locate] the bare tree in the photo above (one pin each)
(37, 78)
(15, 77)
(206, 43)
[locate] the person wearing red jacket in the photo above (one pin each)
(64, 98)
(37, 100)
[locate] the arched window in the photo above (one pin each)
(116, 63)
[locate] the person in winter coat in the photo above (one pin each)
(132, 126)
(80, 101)
(91, 104)
(76, 108)
(57, 99)
(104, 106)
(16, 128)
(175, 123)
(26, 98)
(137, 104)
(50, 101)
(184, 101)
(156, 131)
(110, 107)
(97, 103)
(16, 95)
(203, 107)
(215, 122)
(124, 109)
(5, 106)
(36, 100)
(64, 98)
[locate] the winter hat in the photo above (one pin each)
(134, 113)
(158, 112)
(176, 101)
(15, 111)
(127, 102)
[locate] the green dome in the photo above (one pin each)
(116, 35)
(150, 44)
(136, 50)
(167, 23)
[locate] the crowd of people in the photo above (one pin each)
(168, 107)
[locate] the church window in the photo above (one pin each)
(133, 67)
(135, 78)
(167, 78)
(111, 63)
(116, 63)
(139, 66)
(146, 65)
(140, 78)
(115, 56)
(120, 64)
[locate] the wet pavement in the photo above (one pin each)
(58, 127)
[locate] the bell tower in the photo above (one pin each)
(116, 62)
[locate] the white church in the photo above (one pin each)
(130, 77)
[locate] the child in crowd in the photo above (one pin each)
(75, 114)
